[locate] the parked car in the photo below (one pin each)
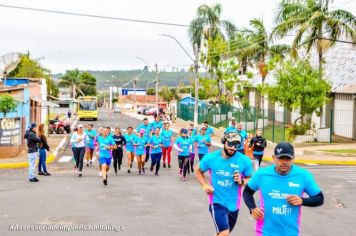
(150, 112)
(117, 110)
(140, 109)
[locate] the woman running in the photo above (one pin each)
(117, 153)
(79, 139)
(258, 145)
(203, 142)
(42, 149)
(183, 146)
(141, 143)
(130, 149)
(191, 134)
(167, 144)
(156, 144)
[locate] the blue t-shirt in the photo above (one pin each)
(91, 137)
(230, 129)
(183, 143)
(281, 218)
(209, 131)
(167, 137)
(130, 141)
(156, 141)
(200, 140)
(155, 125)
(226, 191)
(243, 134)
(102, 142)
(140, 148)
(147, 129)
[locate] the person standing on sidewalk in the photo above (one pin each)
(229, 172)
(183, 145)
(203, 142)
(147, 127)
(281, 187)
(105, 144)
(32, 142)
(167, 144)
(42, 169)
(89, 147)
(156, 143)
(79, 139)
(118, 153)
(243, 135)
(258, 145)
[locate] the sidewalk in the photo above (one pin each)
(56, 143)
(304, 155)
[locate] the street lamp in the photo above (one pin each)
(196, 69)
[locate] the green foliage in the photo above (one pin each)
(298, 87)
(114, 100)
(29, 68)
(295, 130)
(7, 104)
(89, 82)
(151, 91)
(167, 94)
(82, 83)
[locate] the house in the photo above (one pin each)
(339, 115)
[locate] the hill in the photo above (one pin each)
(120, 77)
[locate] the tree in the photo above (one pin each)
(151, 91)
(298, 87)
(89, 81)
(312, 21)
(166, 94)
(7, 104)
(73, 80)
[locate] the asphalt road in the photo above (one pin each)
(150, 205)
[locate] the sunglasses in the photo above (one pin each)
(233, 144)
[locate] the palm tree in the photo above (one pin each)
(72, 79)
(312, 21)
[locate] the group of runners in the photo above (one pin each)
(233, 177)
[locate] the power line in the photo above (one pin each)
(93, 16)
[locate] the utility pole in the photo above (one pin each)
(134, 84)
(196, 69)
(157, 88)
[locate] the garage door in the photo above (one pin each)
(343, 114)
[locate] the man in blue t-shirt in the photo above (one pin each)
(105, 144)
(229, 172)
(281, 187)
(203, 142)
(209, 130)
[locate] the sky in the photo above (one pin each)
(62, 42)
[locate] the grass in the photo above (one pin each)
(278, 133)
(343, 151)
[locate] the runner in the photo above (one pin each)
(191, 134)
(167, 144)
(79, 139)
(229, 172)
(105, 144)
(89, 147)
(203, 142)
(130, 149)
(157, 123)
(156, 143)
(281, 187)
(258, 145)
(209, 130)
(141, 143)
(147, 128)
(72, 147)
(232, 126)
(243, 135)
(117, 153)
(100, 132)
(183, 145)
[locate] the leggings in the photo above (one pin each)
(167, 154)
(183, 162)
(258, 160)
(147, 153)
(156, 160)
(190, 164)
(117, 155)
(79, 156)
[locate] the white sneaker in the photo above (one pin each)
(100, 174)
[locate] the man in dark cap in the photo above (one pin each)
(281, 188)
(32, 144)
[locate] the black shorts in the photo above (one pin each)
(223, 218)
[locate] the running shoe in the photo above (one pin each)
(156, 174)
(151, 168)
(129, 171)
(80, 174)
(105, 181)
(143, 171)
(169, 166)
(185, 179)
(164, 165)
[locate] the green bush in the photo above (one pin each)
(295, 130)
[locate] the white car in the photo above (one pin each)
(117, 110)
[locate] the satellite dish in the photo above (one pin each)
(8, 63)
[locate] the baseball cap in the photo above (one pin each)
(284, 149)
(80, 126)
(142, 131)
(33, 125)
(233, 137)
(184, 131)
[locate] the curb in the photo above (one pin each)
(309, 152)
(49, 159)
(317, 162)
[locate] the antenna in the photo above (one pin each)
(8, 63)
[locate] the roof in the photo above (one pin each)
(339, 69)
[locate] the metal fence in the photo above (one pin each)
(276, 125)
